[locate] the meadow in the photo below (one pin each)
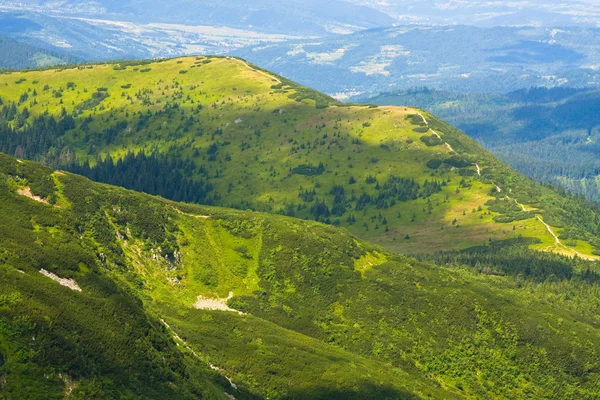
(220, 131)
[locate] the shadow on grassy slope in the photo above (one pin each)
(362, 391)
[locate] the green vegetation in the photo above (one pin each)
(323, 314)
(99, 343)
(550, 135)
(18, 55)
(230, 134)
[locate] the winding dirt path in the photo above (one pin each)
(557, 241)
(437, 134)
(190, 215)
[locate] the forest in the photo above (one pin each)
(18, 55)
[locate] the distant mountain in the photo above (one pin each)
(455, 58)
(315, 18)
(96, 38)
(72, 37)
(338, 48)
(19, 55)
(483, 13)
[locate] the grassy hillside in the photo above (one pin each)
(220, 131)
(283, 308)
(550, 135)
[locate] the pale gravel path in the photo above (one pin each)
(205, 303)
(26, 191)
(190, 215)
(437, 134)
(558, 243)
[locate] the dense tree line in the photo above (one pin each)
(43, 140)
(395, 189)
(513, 257)
(150, 174)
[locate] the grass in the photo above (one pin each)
(264, 126)
(325, 315)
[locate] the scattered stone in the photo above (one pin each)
(70, 283)
(26, 191)
(204, 303)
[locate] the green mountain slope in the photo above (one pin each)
(90, 339)
(220, 131)
(284, 308)
(549, 135)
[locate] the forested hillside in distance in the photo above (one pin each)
(98, 285)
(550, 135)
(220, 131)
(18, 55)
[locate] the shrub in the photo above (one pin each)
(434, 164)
(431, 140)
(458, 162)
(309, 170)
(466, 172)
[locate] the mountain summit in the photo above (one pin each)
(221, 131)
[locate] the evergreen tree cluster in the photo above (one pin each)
(149, 174)
(513, 257)
(395, 189)
(42, 140)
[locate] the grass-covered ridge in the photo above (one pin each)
(220, 131)
(303, 310)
